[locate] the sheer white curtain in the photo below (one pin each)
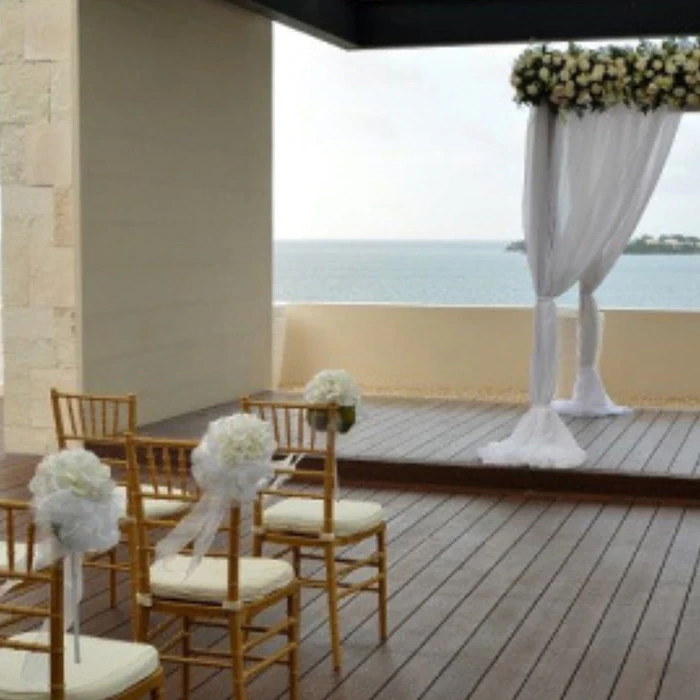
(585, 179)
(642, 144)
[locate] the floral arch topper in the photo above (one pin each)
(646, 77)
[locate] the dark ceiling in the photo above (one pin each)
(371, 24)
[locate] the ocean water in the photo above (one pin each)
(463, 272)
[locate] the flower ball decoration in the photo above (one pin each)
(333, 386)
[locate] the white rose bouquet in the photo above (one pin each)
(76, 510)
(333, 386)
(230, 464)
(234, 455)
(74, 498)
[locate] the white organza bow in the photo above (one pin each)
(222, 484)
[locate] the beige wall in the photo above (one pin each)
(38, 151)
(175, 106)
(648, 356)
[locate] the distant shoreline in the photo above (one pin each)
(675, 244)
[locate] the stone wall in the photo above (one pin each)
(37, 120)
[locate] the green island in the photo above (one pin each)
(670, 244)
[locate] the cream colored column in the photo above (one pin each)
(37, 112)
(176, 202)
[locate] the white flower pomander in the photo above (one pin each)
(75, 499)
(77, 470)
(333, 386)
(232, 462)
(234, 455)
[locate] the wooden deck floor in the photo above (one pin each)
(449, 432)
(494, 598)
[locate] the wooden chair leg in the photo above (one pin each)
(113, 577)
(238, 667)
(186, 630)
(293, 636)
(143, 623)
(257, 545)
(296, 561)
(333, 613)
(383, 588)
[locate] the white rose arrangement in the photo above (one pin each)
(646, 77)
(74, 498)
(234, 455)
(333, 386)
(231, 463)
(76, 510)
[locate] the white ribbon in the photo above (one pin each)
(221, 486)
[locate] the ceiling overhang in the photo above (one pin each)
(373, 24)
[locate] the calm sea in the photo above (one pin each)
(463, 272)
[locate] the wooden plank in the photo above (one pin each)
(665, 454)
(373, 435)
(496, 420)
(497, 429)
(680, 676)
(600, 666)
(509, 666)
(602, 443)
(560, 658)
(435, 427)
(640, 455)
(593, 430)
(646, 661)
(414, 422)
(484, 629)
(626, 442)
(686, 460)
(470, 421)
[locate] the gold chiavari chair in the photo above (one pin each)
(305, 520)
(99, 422)
(225, 591)
(107, 669)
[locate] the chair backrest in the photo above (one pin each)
(95, 421)
(294, 426)
(160, 469)
(16, 565)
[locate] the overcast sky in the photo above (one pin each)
(420, 144)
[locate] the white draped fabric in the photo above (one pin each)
(587, 182)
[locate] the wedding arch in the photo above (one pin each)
(601, 126)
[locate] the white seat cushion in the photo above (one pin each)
(306, 515)
(156, 508)
(257, 577)
(108, 667)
